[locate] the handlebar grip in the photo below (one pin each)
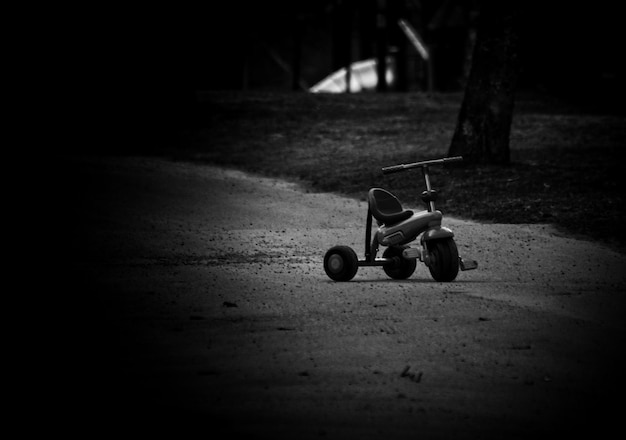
(426, 163)
(393, 169)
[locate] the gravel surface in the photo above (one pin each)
(202, 303)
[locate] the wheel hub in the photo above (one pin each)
(335, 262)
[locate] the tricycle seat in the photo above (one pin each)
(386, 208)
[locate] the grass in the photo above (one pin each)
(566, 163)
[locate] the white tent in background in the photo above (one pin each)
(363, 76)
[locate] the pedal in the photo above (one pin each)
(411, 253)
(467, 264)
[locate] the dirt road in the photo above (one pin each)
(202, 302)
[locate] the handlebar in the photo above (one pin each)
(425, 163)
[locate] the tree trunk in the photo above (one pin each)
(342, 37)
(484, 122)
(296, 59)
(397, 39)
(381, 46)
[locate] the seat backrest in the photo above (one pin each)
(385, 207)
(383, 202)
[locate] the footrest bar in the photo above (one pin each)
(467, 264)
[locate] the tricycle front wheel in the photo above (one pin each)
(444, 259)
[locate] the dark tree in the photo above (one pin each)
(484, 123)
(342, 36)
(381, 45)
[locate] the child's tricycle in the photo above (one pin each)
(396, 228)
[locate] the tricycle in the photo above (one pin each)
(397, 227)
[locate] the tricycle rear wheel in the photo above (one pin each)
(341, 263)
(401, 268)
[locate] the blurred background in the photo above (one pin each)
(159, 56)
(568, 48)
